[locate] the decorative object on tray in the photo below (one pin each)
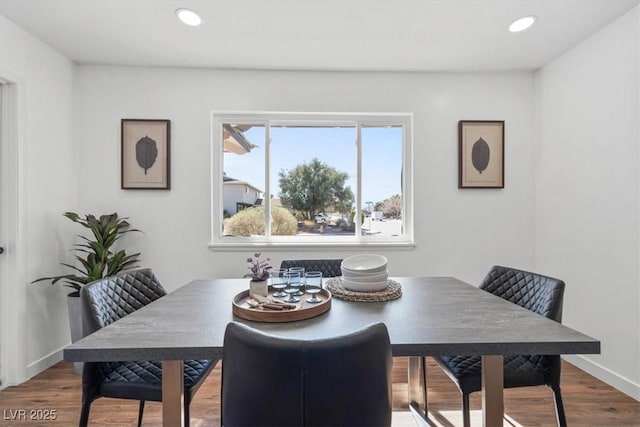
(294, 283)
(365, 273)
(259, 273)
(271, 310)
(279, 282)
(313, 285)
(337, 289)
(264, 303)
(258, 288)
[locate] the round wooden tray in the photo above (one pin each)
(303, 309)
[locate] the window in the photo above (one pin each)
(288, 179)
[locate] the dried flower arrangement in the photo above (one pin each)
(259, 268)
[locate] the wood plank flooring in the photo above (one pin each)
(588, 402)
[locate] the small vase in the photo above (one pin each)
(258, 287)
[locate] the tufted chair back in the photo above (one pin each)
(109, 299)
(328, 267)
(340, 381)
(105, 301)
(541, 294)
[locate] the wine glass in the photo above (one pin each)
(313, 285)
(279, 282)
(293, 285)
(300, 271)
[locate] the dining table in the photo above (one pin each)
(434, 316)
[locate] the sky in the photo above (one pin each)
(292, 146)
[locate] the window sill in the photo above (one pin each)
(312, 245)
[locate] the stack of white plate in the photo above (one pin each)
(364, 273)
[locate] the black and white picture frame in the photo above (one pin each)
(481, 153)
(145, 154)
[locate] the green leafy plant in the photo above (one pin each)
(96, 256)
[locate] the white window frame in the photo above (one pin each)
(220, 242)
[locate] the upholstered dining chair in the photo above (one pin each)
(537, 293)
(104, 302)
(340, 381)
(328, 267)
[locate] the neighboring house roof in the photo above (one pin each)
(234, 140)
(233, 181)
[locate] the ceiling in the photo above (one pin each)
(344, 35)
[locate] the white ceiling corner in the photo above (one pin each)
(346, 35)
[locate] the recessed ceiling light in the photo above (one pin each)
(189, 17)
(522, 24)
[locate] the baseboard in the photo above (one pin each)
(615, 380)
(44, 363)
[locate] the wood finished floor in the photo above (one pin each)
(588, 402)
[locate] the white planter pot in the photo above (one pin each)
(75, 325)
(259, 288)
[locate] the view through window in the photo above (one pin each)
(321, 178)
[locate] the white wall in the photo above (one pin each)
(587, 194)
(47, 174)
(459, 232)
(582, 214)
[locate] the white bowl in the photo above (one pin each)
(368, 262)
(368, 278)
(354, 273)
(364, 287)
(368, 272)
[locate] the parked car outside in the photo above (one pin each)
(321, 217)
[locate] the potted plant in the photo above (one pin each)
(259, 273)
(97, 259)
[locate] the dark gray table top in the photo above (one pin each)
(434, 316)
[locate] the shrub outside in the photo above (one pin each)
(250, 222)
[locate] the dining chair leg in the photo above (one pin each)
(423, 361)
(466, 415)
(562, 421)
(187, 417)
(140, 412)
(84, 414)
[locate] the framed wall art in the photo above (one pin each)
(145, 154)
(481, 154)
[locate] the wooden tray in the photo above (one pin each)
(303, 309)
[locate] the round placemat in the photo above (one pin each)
(392, 291)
